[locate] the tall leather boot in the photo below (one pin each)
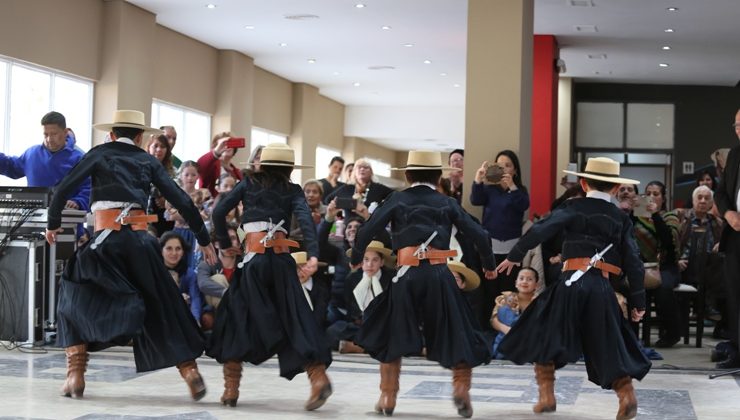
(389, 374)
(232, 377)
(320, 386)
(545, 375)
(189, 372)
(461, 375)
(627, 400)
(77, 358)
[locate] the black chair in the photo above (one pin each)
(693, 293)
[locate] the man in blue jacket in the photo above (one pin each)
(44, 165)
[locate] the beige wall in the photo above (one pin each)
(62, 34)
(273, 99)
(185, 71)
(565, 108)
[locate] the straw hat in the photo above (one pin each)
(130, 119)
(603, 169)
(472, 280)
(278, 154)
(376, 246)
(420, 160)
(302, 258)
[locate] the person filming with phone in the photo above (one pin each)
(499, 189)
(218, 161)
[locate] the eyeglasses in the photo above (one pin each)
(736, 125)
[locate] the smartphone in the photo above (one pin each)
(236, 142)
(573, 167)
(346, 203)
(640, 209)
(494, 173)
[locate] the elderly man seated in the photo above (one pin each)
(700, 218)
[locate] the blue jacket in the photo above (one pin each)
(503, 211)
(43, 168)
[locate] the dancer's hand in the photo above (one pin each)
(491, 274)
(209, 254)
(507, 266)
(637, 314)
(51, 235)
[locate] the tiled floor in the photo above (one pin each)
(677, 388)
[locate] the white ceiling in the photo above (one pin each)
(418, 105)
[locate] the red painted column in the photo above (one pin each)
(544, 124)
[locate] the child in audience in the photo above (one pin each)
(509, 305)
(187, 177)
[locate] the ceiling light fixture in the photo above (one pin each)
(443, 74)
(301, 16)
(408, 45)
(427, 61)
(336, 73)
(360, 6)
(385, 28)
(664, 65)
(457, 85)
(672, 9)
(668, 30)
(250, 27)
(311, 60)
(211, 6)
(283, 44)
(356, 84)
(665, 48)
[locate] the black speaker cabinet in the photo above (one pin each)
(22, 291)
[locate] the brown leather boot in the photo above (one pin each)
(545, 375)
(461, 375)
(627, 400)
(189, 372)
(389, 374)
(232, 377)
(77, 358)
(320, 386)
(349, 347)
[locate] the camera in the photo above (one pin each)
(494, 173)
(346, 203)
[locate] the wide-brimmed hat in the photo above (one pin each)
(603, 169)
(420, 160)
(376, 246)
(472, 280)
(278, 154)
(302, 258)
(128, 118)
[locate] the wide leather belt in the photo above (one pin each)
(136, 219)
(434, 256)
(574, 264)
(279, 244)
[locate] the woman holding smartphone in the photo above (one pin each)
(218, 160)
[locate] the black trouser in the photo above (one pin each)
(666, 304)
(732, 283)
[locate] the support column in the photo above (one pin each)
(126, 51)
(235, 100)
(498, 85)
(305, 131)
(544, 125)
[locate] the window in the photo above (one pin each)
(27, 93)
(324, 155)
(193, 128)
(262, 137)
(379, 167)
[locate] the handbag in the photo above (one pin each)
(652, 276)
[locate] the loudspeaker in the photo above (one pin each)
(22, 291)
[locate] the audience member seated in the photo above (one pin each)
(313, 192)
(363, 190)
(174, 249)
(360, 288)
(217, 161)
(187, 177)
(213, 280)
(316, 295)
(331, 182)
(510, 305)
(226, 183)
(704, 177)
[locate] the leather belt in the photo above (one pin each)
(279, 244)
(434, 256)
(136, 219)
(574, 264)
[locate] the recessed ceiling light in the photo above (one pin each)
(381, 68)
(427, 61)
(250, 27)
(356, 84)
(336, 73)
(665, 48)
(385, 27)
(668, 30)
(311, 60)
(360, 6)
(663, 65)
(457, 85)
(283, 44)
(672, 9)
(301, 16)
(443, 74)
(211, 6)
(408, 45)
